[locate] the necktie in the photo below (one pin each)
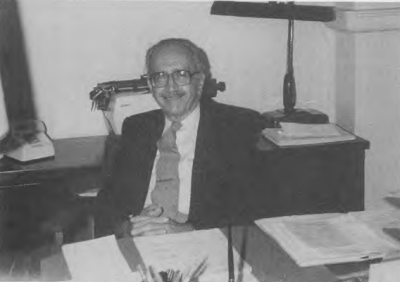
(166, 191)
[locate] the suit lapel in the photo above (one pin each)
(206, 160)
(155, 132)
(143, 148)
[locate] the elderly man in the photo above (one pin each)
(186, 166)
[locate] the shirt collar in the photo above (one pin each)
(189, 121)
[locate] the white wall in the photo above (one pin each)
(73, 45)
(368, 90)
(378, 111)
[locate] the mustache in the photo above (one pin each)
(171, 94)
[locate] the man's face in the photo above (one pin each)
(176, 101)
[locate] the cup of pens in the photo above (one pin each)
(150, 274)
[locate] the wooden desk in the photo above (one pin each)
(31, 194)
(75, 159)
(268, 260)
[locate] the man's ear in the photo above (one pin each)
(200, 83)
(149, 84)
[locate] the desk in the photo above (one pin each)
(75, 159)
(31, 193)
(268, 260)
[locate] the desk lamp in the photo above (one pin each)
(291, 12)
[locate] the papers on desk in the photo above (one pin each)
(98, 260)
(295, 134)
(186, 251)
(327, 238)
(388, 271)
(102, 260)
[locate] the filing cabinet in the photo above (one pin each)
(316, 178)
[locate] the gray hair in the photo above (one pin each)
(198, 55)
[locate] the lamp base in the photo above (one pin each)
(312, 116)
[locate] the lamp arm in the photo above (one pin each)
(289, 83)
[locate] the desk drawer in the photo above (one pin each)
(76, 180)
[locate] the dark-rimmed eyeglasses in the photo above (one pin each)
(180, 77)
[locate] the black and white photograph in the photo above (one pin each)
(199, 141)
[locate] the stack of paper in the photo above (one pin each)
(327, 238)
(98, 260)
(102, 260)
(294, 134)
(186, 251)
(385, 271)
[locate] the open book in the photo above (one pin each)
(295, 134)
(327, 238)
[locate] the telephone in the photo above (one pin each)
(29, 141)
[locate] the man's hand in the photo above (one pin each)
(158, 226)
(152, 211)
(151, 222)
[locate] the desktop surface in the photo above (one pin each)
(70, 154)
(268, 261)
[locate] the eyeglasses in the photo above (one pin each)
(180, 77)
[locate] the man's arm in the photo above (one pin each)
(117, 199)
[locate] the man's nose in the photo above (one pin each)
(171, 84)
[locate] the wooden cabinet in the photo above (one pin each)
(313, 178)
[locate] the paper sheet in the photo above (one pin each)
(292, 134)
(327, 238)
(385, 271)
(297, 130)
(98, 260)
(185, 251)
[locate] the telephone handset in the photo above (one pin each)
(29, 141)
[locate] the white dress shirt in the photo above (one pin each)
(186, 142)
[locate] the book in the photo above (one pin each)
(295, 134)
(322, 239)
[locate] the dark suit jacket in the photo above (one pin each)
(223, 183)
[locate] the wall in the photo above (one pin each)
(368, 89)
(73, 45)
(378, 110)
